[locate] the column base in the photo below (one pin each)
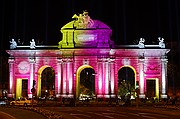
(70, 96)
(10, 95)
(113, 96)
(163, 96)
(30, 95)
(106, 96)
(67, 96)
(100, 96)
(58, 95)
(141, 96)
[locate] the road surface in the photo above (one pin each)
(115, 113)
(16, 113)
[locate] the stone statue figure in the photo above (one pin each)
(13, 44)
(161, 42)
(80, 21)
(32, 44)
(141, 43)
(83, 20)
(88, 22)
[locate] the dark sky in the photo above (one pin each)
(128, 19)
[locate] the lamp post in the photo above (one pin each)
(33, 90)
(46, 91)
(110, 91)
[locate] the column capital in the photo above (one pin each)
(112, 61)
(141, 96)
(59, 60)
(68, 59)
(11, 60)
(104, 59)
(163, 96)
(164, 60)
(141, 60)
(31, 59)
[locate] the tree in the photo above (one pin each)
(125, 89)
(85, 91)
(122, 89)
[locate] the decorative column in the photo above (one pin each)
(30, 82)
(70, 77)
(106, 78)
(59, 77)
(164, 77)
(100, 79)
(64, 78)
(111, 77)
(141, 78)
(103, 77)
(11, 77)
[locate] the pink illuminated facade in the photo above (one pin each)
(81, 47)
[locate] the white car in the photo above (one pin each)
(3, 102)
(23, 102)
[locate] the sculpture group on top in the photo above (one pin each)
(142, 41)
(13, 44)
(161, 42)
(83, 20)
(32, 44)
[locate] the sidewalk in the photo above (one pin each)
(22, 113)
(4, 115)
(171, 110)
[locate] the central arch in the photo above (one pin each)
(78, 76)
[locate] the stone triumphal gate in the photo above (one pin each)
(85, 44)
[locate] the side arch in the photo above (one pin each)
(133, 70)
(39, 79)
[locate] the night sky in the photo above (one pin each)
(128, 19)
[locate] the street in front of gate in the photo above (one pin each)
(116, 112)
(91, 111)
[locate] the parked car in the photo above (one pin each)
(23, 102)
(3, 101)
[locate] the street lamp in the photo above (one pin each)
(110, 90)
